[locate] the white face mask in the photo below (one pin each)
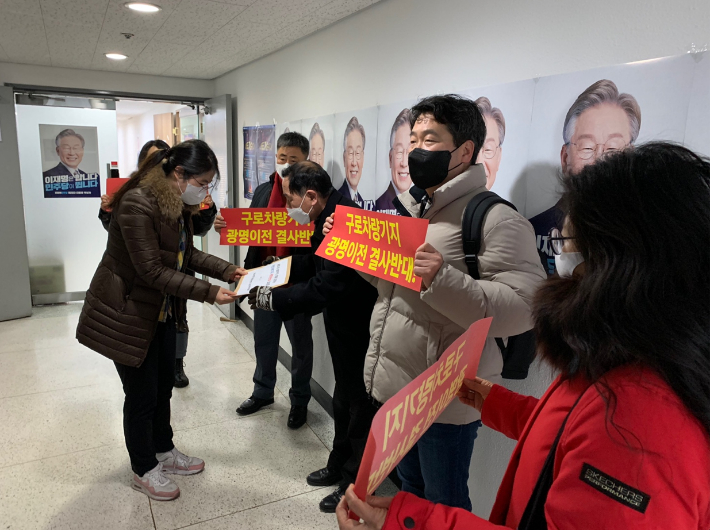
(193, 195)
(280, 169)
(566, 262)
(298, 215)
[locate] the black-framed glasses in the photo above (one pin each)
(557, 240)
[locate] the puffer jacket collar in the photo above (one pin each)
(471, 179)
(169, 203)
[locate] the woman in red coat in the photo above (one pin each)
(622, 438)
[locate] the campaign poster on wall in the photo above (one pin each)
(289, 126)
(355, 156)
(392, 165)
(319, 132)
(70, 161)
(266, 155)
(249, 167)
(579, 117)
(507, 111)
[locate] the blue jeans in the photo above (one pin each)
(436, 468)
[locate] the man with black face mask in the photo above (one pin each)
(410, 330)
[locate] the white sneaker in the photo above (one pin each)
(176, 463)
(156, 485)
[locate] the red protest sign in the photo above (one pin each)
(263, 227)
(378, 244)
(113, 185)
(406, 416)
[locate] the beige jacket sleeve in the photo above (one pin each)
(510, 271)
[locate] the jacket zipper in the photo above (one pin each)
(379, 341)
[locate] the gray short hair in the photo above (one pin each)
(603, 91)
(316, 131)
(403, 118)
(484, 105)
(353, 125)
(68, 132)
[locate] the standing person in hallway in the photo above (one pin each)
(410, 330)
(621, 439)
(201, 223)
(140, 291)
(600, 121)
(291, 148)
(346, 301)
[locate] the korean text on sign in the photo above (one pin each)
(263, 227)
(379, 244)
(406, 416)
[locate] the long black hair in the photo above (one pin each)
(641, 219)
(195, 157)
(158, 144)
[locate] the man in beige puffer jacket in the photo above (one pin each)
(410, 330)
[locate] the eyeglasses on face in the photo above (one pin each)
(489, 151)
(587, 149)
(557, 240)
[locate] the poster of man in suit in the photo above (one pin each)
(70, 161)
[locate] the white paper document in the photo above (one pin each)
(273, 275)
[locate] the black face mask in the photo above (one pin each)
(429, 168)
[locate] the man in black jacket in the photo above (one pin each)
(346, 301)
(291, 148)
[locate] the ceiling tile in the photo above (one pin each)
(244, 3)
(72, 45)
(280, 13)
(23, 38)
(4, 58)
(195, 20)
(158, 57)
(57, 15)
(21, 7)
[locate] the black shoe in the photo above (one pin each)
(252, 405)
(181, 380)
(324, 477)
(297, 417)
(329, 503)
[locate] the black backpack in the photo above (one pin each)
(518, 355)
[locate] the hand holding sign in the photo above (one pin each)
(378, 244)
(406, 416)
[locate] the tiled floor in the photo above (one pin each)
(63, 464)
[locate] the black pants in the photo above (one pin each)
(267, 333)
(146, 408)
(353, 409)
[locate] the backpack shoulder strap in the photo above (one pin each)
(472, 227)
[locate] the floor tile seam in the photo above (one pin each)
(47, 391)
(59, 455)
(254, 507)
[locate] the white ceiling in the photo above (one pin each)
(187, 38)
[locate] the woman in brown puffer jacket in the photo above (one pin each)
(139, 292)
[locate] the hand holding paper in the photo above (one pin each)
(273, 275)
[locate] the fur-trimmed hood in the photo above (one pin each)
(169, 202)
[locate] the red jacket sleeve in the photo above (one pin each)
(408, 511)
(507, 412)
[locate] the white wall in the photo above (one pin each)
(400, 49)
(97, 80)
(134, 131)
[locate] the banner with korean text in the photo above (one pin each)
(381, 245)
(407, 415)
(263, 227)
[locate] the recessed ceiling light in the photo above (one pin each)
(143, 7)
(116, 56)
